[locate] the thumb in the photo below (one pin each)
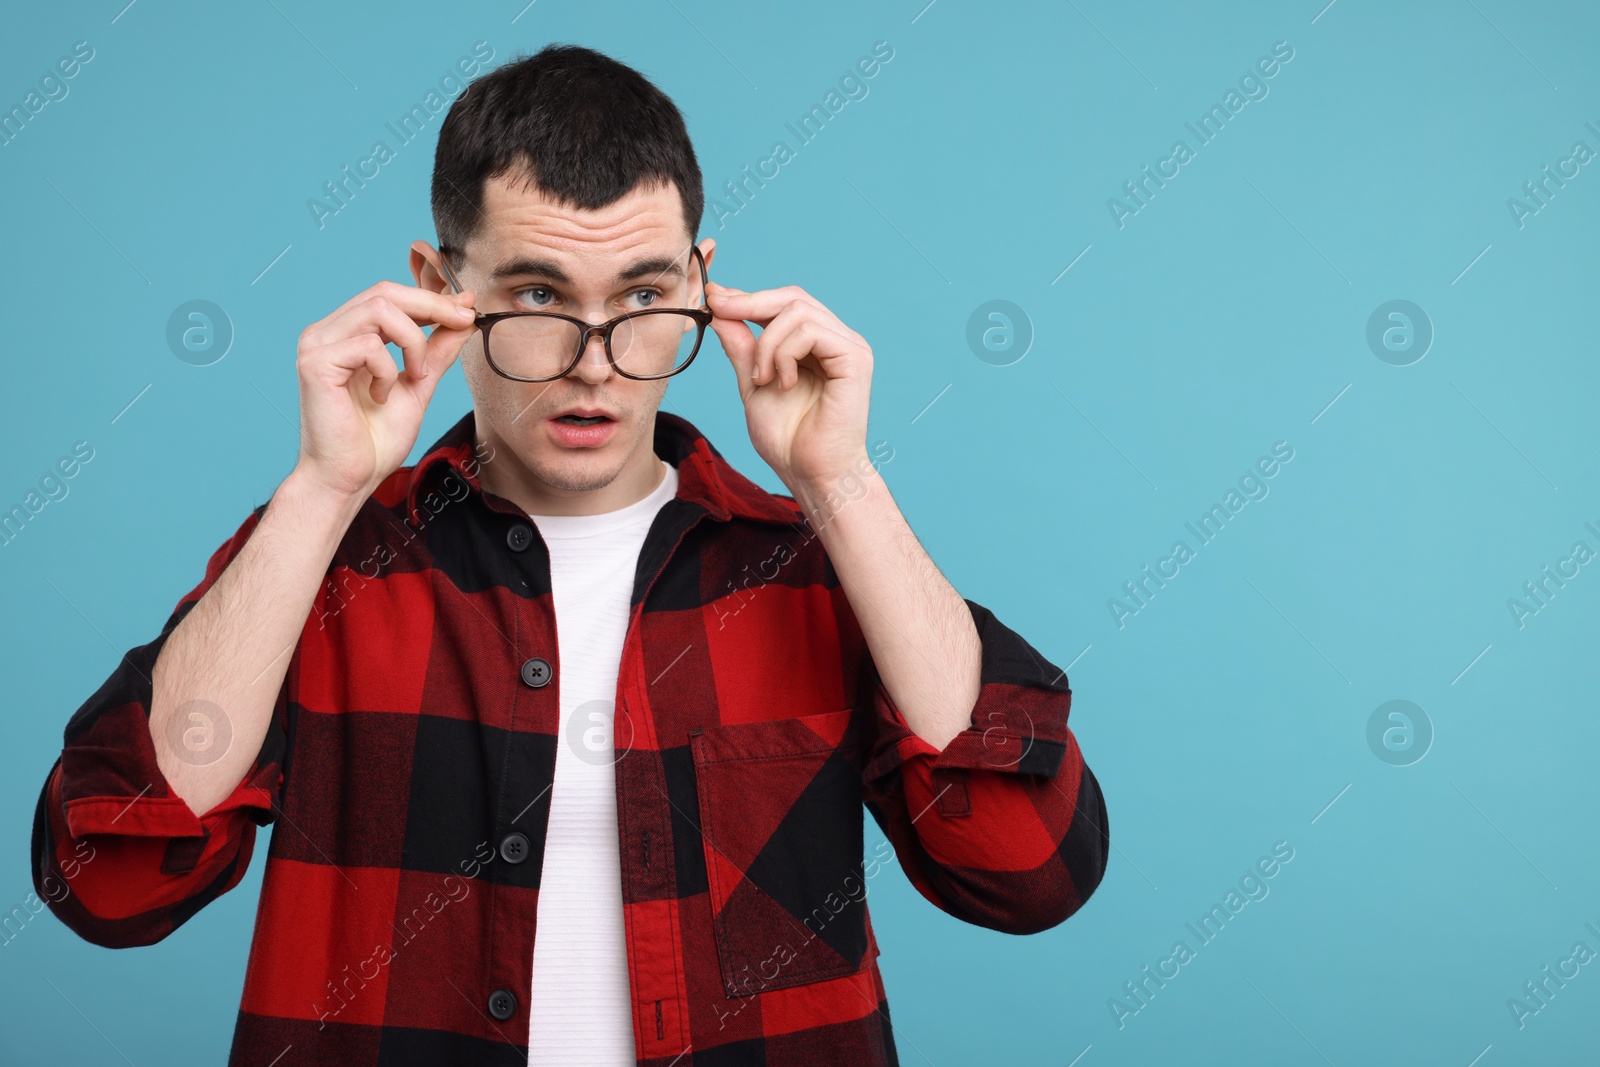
(443, 346)
(739, 343)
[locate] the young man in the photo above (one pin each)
(567, 728)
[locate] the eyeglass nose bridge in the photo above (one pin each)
(592, 331)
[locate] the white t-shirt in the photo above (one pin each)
(581, 1003)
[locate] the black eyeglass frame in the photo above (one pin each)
(701, 315)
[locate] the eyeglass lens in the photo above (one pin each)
(535, 346)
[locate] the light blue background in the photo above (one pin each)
(1224, 316)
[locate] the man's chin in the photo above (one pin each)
(576, 470)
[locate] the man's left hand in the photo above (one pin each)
(805, 381)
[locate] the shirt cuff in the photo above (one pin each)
(112, 784)
(1018, 723)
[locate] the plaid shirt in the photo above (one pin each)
(409, 764)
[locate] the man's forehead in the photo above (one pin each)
(517, 211)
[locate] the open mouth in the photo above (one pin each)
(581, 420)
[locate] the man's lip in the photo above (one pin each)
(582, 414)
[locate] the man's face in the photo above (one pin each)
(532, 254)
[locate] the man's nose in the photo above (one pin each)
(593, 366)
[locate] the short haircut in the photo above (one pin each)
(581, 127)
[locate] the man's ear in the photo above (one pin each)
(708, 249)
(425, 268)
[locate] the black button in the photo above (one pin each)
(536, 672)
(502, 1004)
(519, 537)
(514, 848)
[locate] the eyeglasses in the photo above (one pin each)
(541, 346)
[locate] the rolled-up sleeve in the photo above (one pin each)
(1006, 826)
(117, 855)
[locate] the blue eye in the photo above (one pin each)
(650, 293)
(537, 289)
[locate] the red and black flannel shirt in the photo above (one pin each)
(409, 765)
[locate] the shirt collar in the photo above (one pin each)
(705, 478)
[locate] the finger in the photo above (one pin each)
(758, 307)
(817, 329)
(344, 360)
(396, 327)
(731, 303)
(421, 306)
(809, 338)
(378, 315)
(775, 332)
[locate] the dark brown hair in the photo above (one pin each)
(580, 126)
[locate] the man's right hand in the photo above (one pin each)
(359, 415)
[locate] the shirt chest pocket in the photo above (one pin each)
(780, 820)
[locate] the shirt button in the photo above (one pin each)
(536, 672)
(519, 537)
(514, 848)
(502, 1004)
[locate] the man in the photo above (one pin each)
(566, 729)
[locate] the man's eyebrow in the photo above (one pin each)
(531, 266)
(543, 268)
(654, 267)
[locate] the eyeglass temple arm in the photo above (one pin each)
(449, 274)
